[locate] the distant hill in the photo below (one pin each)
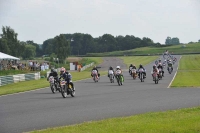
(175, 49)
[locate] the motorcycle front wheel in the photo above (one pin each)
(53, 88)
(63, 91)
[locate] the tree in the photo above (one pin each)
(168, 41)
(9, 41)
(3, 46)
(29, 51)
(62, 47)
(199, 40)
(172, 41)
(175, 40)
(38, 49)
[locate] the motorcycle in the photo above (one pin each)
(155, 77)
(156, 62)
(119, 77)
(141, 75)
(130, 70)
(95, 76)
(170, 70)
(134, 73)
(111, 76)
(54, 85)
(160, 73)
(67, 89)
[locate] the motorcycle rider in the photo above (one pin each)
(118, 68)
(144, 72)
(54, 74)
(110, 68)
(65, 75)
(95, 68)
(169, 65)
(130, 68)
(159, 61)
(155, 69)
(161, 67)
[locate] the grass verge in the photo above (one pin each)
(188, 72)
(175, 121)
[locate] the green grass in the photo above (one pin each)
(176, 49)
(188, 72)
(137, 60)
(187, 79)
(175, 121)
(190, 62)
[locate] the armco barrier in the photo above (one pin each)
(86, 66)
(4, 80)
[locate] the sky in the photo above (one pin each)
(39, 20)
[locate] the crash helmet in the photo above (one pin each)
(62, 70)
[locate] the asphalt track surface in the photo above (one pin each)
(41, 109)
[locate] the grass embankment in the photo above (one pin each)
(176, 121)
(137, 60)
(176, 49)
(188, 72)
(42, 83)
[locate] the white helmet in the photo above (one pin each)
(118, 67)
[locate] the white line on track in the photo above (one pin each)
(174, 74)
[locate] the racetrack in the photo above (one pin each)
(41, 109)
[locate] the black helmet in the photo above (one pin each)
(52, 70)
(140, 65)
(110, 67)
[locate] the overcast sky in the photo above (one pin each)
(39, 20)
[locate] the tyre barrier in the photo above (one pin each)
(9, 79)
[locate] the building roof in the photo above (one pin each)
(6, 56)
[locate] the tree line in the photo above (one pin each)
(81, 44)
(64, 45)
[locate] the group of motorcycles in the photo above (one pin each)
(62, 87)
(111, 76)
(156, 76)
(134, 73)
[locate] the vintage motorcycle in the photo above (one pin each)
(134, 73)
(119, 77)
(155, 77)
(170, 70)
(95, 76)
(160, 73)
(67, 88)
(141, 75)
(111, 76)
(130, 70)
(54, 85)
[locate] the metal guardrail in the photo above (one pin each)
(4, 80)
(83, 68)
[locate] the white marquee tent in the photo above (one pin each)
(7, 57)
